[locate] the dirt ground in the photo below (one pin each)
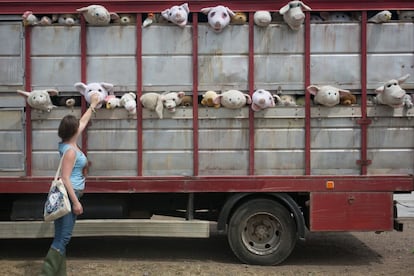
(389, 253)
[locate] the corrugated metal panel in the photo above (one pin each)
(278, 39)
(233, 40)
(335, 38)
(390, 37)
(162, 163)
(224, 162)
(11, 142)
(111, 40)
(11, 57)
(280, 162)
(155, 38)
(55, 41)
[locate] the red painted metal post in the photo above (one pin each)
(28, 87)
(83, 69)
(195, 96)
(138, 60)
(307, 96)
(251, 88)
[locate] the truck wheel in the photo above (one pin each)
(262, 232)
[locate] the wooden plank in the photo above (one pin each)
(109, 227)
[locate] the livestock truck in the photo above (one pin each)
(262, 178)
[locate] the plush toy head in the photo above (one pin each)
(262, 18)
(128, 101)
(381, 17)
(293, 14)
(68, 19)
(218, 17)
(153, 101)
(112, 102)
(262, 99)
(177, 14)
(187, 101)
(103, 89)
(208, 99)
(29, 18)
(348, 99)
(233, 99)
(286, 100)
(405, 15)
(326, 95)
(97, 15)
(171, 100)
(239, 18)
(126, 19)
(40, 99)
(393, 95)
(335, 16)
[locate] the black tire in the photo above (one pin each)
(262, 232)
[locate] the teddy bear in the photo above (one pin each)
(393, 95)
(262, 99)
(262, 18)
(208, 99)
(233, 99)
(293, 14)
(218, 17)
(347, 99)
(187, 101)
(40, 99)
(239, 18)
(326, 95)
(157, 102)
(177, 14)
(103, 89)
(97, 15)
(68, 19)
(128, 101)
(126, 19)
(286, 100)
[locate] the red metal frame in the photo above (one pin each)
(196, 183)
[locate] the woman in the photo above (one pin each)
(73, 163)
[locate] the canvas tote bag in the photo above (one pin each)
(57, 203)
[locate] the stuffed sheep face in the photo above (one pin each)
(262, 18)
(97, 15)
(393, 95)
(171, 100)
(102, 89)
(128, 101)
(233, 99)
(262, 99)
(177, 14)
(381, 17)
(293, 14)
(218, 17)
(326, 95)
(40, 99)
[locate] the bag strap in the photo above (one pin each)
(60, 166)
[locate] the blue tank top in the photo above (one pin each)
(77, 178)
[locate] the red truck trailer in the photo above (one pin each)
(262, 177)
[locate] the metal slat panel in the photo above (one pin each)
(391, 161)
(233, 40)
(340, 138)
(55, 41)
(335, 38)
(112, 140)
(154, 38)
(272, 139)
(111, 40)
(12, 46)
(223, 139)
(278, 39)
(163, 163)
(335, 162)
(390, 37)
(223, 162)
(114, 163)
(279, 162)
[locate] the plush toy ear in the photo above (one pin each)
(343, 92)
(81, 87)
(278, 99)
(248, 98)
(23, 93)
(217, 99)
(108, 86)
(306, 8)
(185, 7)
(52, 92)
(181, 94)
(284, 9)
(82, 9)
(165, 13)
(231, 13)
(403, 79)
(379, 89)
(114, 16)
(206, 10)
(313, 89)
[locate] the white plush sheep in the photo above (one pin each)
(293, 14)
(233, 99)
(97, 15)
(326, 95)
(381, 17)
(218, 17)
(393, 95)
(40, 99)
(177, 14)
(262, 99)
(262, 18)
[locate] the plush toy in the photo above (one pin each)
(157, 102)
(239, 18)
(293, 14)
(286, 100)
(381, 17)
(29, 19)
(128, 101)
(187, 101)
(40, 99)
(151, 18)
(177, 14)
(405, 15)
(126, 19)
(112, 102)
(103, 89)
(233, 99)
(68, 19)
(262, 18)
(348, 99)
(336, 16)
(218, 17)
(393, 95)
(97, 15)
(172, 99)
(208, 99)
(46, 20)
(262, 99)
(301, 101)
(326, 95)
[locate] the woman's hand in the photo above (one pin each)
(94, 100)
(77, 208)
